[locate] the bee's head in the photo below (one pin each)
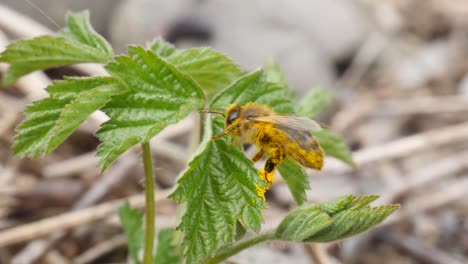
(232, 114)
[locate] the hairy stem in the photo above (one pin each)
(229, 251)
(149, 204)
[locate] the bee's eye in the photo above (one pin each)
(232, 116)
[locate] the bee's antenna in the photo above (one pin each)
(211, 111)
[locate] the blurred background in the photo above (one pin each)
(398, 70)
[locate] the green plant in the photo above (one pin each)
(152, 87)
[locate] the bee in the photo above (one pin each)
(278, 136)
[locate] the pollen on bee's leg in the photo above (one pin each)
(267, 177)
(264, 176)
(261, 191)
(270, 178)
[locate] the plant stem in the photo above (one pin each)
(229, 251)
(149, 204)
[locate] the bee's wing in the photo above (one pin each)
(289, 121)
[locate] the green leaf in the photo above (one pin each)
(79, 29)
(296, 179)
(303, 222)
(334, 146)
(338, 205)
(253, 87)
(81, 44)
(315, 102)
(335, 220)
(132, 223)
(50, 121)
(163, 48)
(352, 215)
(213, 70)
(159, 95)
(169, 250)
(218, 190)
(274, 74)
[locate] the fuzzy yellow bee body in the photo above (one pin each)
(279, 136)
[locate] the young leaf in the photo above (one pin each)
(213, 70)
(344, 217)
(80, 30)
(80, 44)
(50, 121)
(352, 215)
(219, 189)
(352, 222)
(303, 222)
(163, 48)
(253, 87)
(274, 74)
(132, 223)
(338, 205)
(159, 95)
(219, 193)
(168, 251)
(296, 179)
(314, 102)
(334, 146)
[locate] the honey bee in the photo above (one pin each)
(279, 136)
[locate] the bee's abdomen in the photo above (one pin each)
(309, 154)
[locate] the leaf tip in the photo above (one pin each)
(73, 14)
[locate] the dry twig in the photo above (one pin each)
(428, 174)
(421, 105)
(35, 249)
(451, 192)
(420, 251)
(72, 219)
(317, 253)
(403, 147)
(100, 249)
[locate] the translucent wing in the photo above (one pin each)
(288, 121)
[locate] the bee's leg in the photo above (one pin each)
(272, 162)
(225, 133)
(258, 156)
(220, 135)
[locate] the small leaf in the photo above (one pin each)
(132, 223)
(213, 70)
(79, 29)
(315, 102)
(334, 146)
(169, 250)
(159, 95)
(274, 74)
(81, 44)
(351, 222)
(338, 219)
(219, 189)
(303, 222)
(50, 121)
(338, 205)
(352, 215)
(163, 48)
(296, 179)
(253, 87)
